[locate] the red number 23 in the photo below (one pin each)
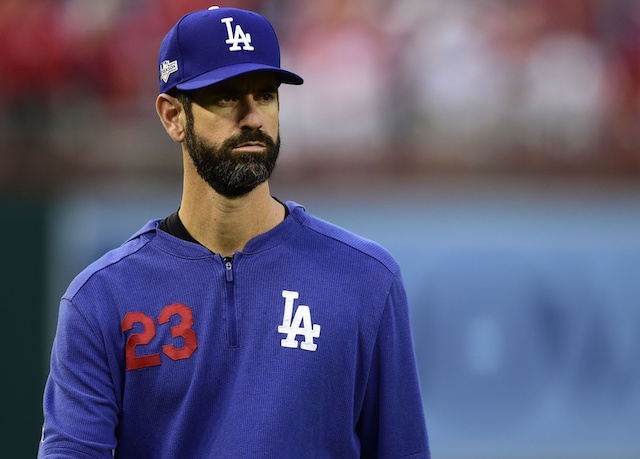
(181, 330)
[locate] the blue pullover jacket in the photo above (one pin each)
(298, 347)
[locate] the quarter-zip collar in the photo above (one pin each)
(181, 248)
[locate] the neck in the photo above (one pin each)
(225, 225)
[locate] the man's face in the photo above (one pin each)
(232, 133)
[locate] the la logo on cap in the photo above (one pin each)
(236, 37)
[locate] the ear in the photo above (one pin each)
(169, 110)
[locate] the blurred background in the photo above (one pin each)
(493, 146)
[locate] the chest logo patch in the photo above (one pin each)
(298, 324)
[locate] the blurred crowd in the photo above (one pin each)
(417, 86)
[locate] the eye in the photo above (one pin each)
(225, 100)
(268, 96)
(210, 100)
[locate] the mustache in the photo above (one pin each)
(249, 136)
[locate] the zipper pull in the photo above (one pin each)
(229, 269)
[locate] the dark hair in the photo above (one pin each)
(183, 96)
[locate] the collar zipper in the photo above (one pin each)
(232, 318)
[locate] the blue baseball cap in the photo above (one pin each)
(209, 46)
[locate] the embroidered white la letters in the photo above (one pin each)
(300, 324)
(237, 37)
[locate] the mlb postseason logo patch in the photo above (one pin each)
(237, 36)
(167, 68)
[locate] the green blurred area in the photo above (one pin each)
(22, 230)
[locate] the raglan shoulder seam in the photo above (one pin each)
(133, 246)
(368, 247)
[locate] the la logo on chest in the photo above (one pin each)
(296, 325)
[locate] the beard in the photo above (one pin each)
(232, 174)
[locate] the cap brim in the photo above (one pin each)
(225, 73)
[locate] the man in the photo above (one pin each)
(238, 327)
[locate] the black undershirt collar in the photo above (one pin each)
(173, 225)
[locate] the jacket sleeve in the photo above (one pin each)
(392, 422)
(80, 406)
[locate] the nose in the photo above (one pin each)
(250, 114)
